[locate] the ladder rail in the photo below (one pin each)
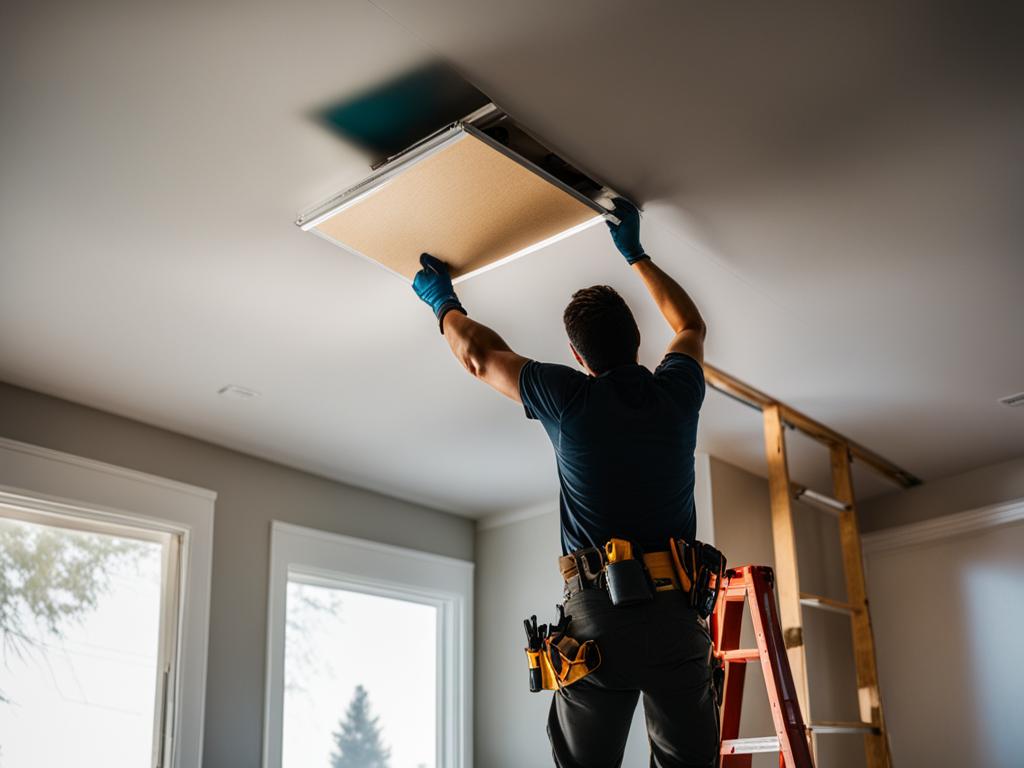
(876, 744)
(787, 574)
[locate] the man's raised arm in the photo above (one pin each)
(675, 304)
(481, 351)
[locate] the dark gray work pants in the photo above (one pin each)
(660, 649)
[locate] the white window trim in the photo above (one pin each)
(42, 481)
(390, 571)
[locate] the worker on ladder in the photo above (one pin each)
(624, 440)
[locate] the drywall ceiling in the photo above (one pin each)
(838, 186)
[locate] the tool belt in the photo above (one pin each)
(631, 576)
(556, 660)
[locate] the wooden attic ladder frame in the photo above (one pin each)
(792, 600)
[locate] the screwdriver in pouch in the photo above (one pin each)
(534, 642)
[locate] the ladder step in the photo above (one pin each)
(750, 746)
(742, 655)
(819, 500)
(841, 727)
(825, 603)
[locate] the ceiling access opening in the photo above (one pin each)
(477, 193)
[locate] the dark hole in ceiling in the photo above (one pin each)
(392, 116)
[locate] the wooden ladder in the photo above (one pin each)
(792, 600)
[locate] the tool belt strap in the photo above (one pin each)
(659, 565)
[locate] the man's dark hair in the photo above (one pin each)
(601, 328)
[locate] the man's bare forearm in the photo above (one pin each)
(471, 342)
(484, 353)
(675, 303)
(481, 351)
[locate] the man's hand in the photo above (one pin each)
(433, 284)
(626, 235)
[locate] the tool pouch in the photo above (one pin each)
(625, 575)
(556, 660)
(700, 569)
(561, 662)
(627, 582)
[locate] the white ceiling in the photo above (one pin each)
(839, 188)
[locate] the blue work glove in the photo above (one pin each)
(626, 234)
(433, 285)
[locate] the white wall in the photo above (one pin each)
(949, 629)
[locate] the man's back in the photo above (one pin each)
(624, 439)
(624, 443)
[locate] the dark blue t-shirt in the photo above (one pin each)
(624, 444)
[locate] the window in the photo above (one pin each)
(104, 610)
(368, 657)
(86, 645)
(360, 674)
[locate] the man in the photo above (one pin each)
(624, 440)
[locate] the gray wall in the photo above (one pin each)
(949, 629)
(251, 493)
(946, 496)
(948, 623)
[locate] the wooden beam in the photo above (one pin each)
(755, 398)
(787, 577)
(876, 744)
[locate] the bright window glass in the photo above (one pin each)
(80, 619)
(360, 669)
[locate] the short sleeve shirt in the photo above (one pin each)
(624, 443)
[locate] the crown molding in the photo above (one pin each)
(943, 527)
(517, 515)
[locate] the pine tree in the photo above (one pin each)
(358, 739)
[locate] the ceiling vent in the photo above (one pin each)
(1014, 401)
(477, 193)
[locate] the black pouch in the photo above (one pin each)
(710, 568)
(627, 582)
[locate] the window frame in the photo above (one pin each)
(318, 557)
(50, 515)
(41, 485)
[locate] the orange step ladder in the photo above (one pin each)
(753, 585)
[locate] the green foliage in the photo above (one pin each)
(50, 576)
(358, 739)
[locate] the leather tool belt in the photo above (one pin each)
(658, 564)
(693, 567)
(557, 660)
